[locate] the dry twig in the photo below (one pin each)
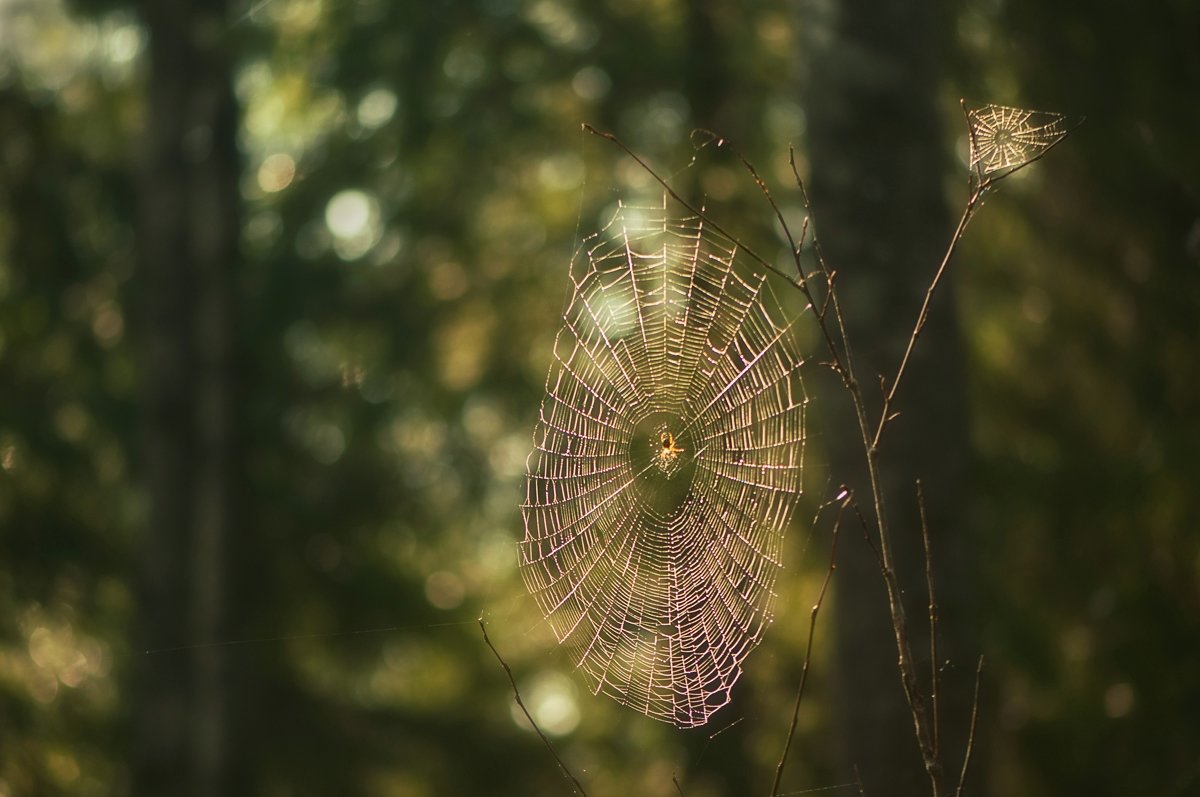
(962, 776)
(521, 704)
(934, 674)
(812, 628)
(832, 326)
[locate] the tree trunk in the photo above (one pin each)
(876, 185)
(188, 241)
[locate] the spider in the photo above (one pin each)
(669, 451)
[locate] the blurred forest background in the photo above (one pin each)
(278, 286)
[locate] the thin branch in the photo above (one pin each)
(845, 366)
(926, 734)
(692, 208)
(799, 247)
(844, 362)
(837, 341)
(521, 704)
(678, 788)
(812, 627)
(862, 521)
(766, 192)
(934, 677)
(977, 186)
(921, 722)
(923, 315)
(841, 354)
(962, 777)
(987, 183)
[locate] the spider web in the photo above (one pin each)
(1004, 137)
(666, 465)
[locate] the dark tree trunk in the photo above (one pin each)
(877, 166)
(188, 242)
(724, 768)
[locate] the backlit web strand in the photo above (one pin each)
(1004, 137)
(667, 461)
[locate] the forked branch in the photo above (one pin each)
(992, 160)
(845, 499)
(982, 177)
(578, 787)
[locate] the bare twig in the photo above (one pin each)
(812, 627)
(976, 177)
(926, 734)
(923, 314)
(977, 186)
(962, 776)
(926, 728)
(866, 529)
(829, 275)
(753, 255)
(934, 676)
(678, 788)
(521, 704)
(844, 364)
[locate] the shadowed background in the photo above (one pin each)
(278, 288)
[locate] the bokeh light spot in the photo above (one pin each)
(353, 217)
(376, 108)
(71, 422)
(591, 83)
(8, 457)
(562, 172)
(552, 703)
(445, 590)
(348, 213)
(327, 443)
(62, 767)
(464, 65)
(276, 172)
(108, 325)
(1119, 699)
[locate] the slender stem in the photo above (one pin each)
(908, 678)
(844, 363)
(841, 355)
(697, 211)
(962, 777)
(521, 704)
(923, 315)
(812, 628)
(838, 343)
(934, 677)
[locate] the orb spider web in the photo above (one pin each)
(666, 465)
(1003, 137)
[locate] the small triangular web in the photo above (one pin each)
(1003, 137)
